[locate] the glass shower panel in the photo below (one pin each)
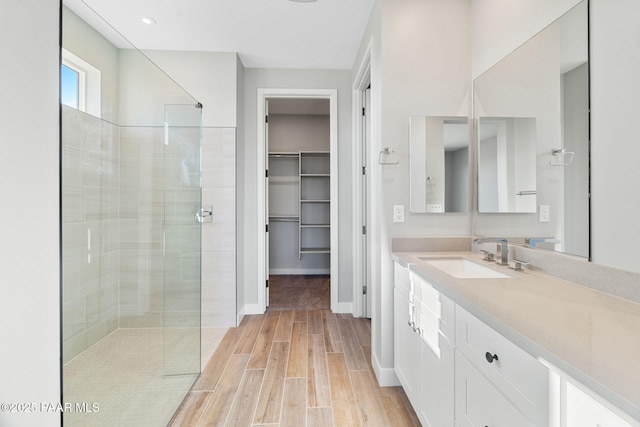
(183, 215)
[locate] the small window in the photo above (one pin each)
(69, 87)
(79, 84)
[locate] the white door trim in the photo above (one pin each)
(332, 96)
(360, 84)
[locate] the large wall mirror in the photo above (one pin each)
(438, 164)
(531, 112)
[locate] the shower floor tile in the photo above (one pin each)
(124, 374)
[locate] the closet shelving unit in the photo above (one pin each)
(315, 200)
(284, 183)
(299, 189)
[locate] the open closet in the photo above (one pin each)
(299, 203)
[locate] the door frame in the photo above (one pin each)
(362, 81)
(263, 269)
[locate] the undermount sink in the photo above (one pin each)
(462, 268)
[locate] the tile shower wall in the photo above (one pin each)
(90, 181)
(141, 215)
(219, 237)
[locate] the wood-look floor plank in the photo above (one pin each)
(244, 405)
(319, 417)
(222, 398)
(343, 401)
(363, 331)
(301, 316)
(273, 313)
(262, 348)
(191, 409)
(352, 350)
(332, 340)
(270, 401)
(297, 366)
(285, 325)
(216, 365)
(318, 392)
(294, 408)
(315, 322)
(367, 401)
(366, 350)
(238, 396)
(250, 332)
(397, 408)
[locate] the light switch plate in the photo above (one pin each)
(398, 213)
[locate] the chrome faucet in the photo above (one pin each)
(502, 248)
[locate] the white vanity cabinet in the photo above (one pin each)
(497, 383)
(436, 329)
(406, 340)
(478, 403)
(423, 347)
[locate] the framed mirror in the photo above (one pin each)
(531, 116)
(438, 164)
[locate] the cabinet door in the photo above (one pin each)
(406, 349)
(584, 411)
(436, 401)
(478, 403)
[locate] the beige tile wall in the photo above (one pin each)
(114, 186)
(219, 236)
(90, 181)
(141, 216)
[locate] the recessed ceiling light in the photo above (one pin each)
(149, 21)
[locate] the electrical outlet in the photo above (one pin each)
(434, 207)
(398, 213)
(545, 213)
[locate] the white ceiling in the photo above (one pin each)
(266, 33)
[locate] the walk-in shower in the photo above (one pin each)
(131, 240)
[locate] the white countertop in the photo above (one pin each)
(592, 336)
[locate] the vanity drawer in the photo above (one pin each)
(437, 308)
(401, 277)
(520, 377)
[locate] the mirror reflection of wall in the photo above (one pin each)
(439, 164)
(507, 164)
(545, 80)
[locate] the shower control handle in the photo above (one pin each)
(205, 214)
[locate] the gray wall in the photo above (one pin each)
(411, 75)
(614, 148)
(295, 79)
(30, 226)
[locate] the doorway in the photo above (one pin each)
(298, 251)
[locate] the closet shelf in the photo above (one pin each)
(315, 225)
(284, 154)
(284, 218)
(315, 175)
(315, 250)
(315, 201)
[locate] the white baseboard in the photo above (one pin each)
(300, 271)
(386, 376)
(252, 309)
(344, 307)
